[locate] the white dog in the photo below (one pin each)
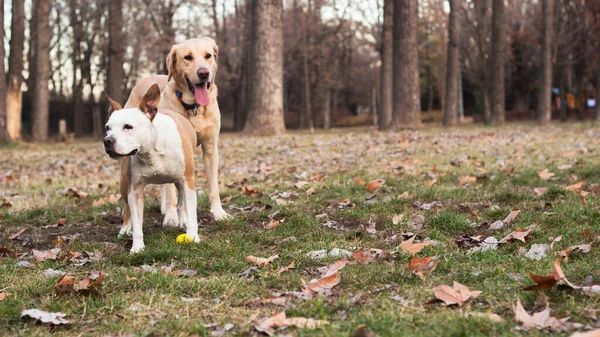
(156, 147)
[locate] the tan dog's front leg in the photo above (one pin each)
(136, 207)
(210, 154)
(168, 205)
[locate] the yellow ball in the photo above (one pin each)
(184, 238)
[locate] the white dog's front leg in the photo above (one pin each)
(190, 210)
(168, 205)
(210, 154)
(136, 207)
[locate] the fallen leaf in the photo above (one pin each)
(431, 182)
(458, 294)
(274, 224)
(575, 187)
(491, 316)
(542, 282)
(52, 318)
(540, 190)
(413, 248)
(545, 175)
(511, 216)
(359, 181)
(301, 184)
(585, 248)
(274, 300)
(539, 320)
(582, 194)
(518, 234)
(537, 251)
(423, 265)
(361, 257)
(305, 323)
(7, 251)
(51, 254)
(260, 261)
(4, 295)
(591, 333)
(284, 269)
(374, 185)
(467, 180)
(110, 199)
(329, 280)
(279, 319)
(17, 234)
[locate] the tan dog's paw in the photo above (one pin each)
(220, 214)
(126, 230)
(171, 220)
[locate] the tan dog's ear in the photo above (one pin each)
(149, 104)
(171, 59)
(114, 105)
(215, 48)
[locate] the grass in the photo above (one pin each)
(132, 301)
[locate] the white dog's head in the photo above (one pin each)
(129, 130)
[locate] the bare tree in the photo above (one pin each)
(386, 52)
(545, 95)
(497, 95)
(115, 50)
(4, 136)
(452, 67)
(42, 71)
(15, 70)
(407, 100)
(265, 112)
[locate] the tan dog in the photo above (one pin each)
(157, 147)
(190, 90)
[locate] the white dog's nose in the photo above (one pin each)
(109, 141)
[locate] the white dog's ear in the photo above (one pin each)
(114, 105)
(171, 59)
(149, 104)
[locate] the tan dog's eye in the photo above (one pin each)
(189, 57)
(208, 56)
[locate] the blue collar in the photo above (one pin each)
(185, 105)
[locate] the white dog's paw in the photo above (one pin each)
(171, 220)
(137, 248)
(126, 230)
(220, 214)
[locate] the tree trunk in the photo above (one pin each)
(4, 136)
(32, 45)
(15, 70)
(544, 113)
(450, 109)
(563, 97)
(482, 10)
(327, 110)
(386, 91)
(497, 95)
(77, 85)
(265, 113)
(241, 112)
(115, 51)
(41, 71)
(406, 101)
(597, 110)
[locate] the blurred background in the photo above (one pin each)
(476, 61)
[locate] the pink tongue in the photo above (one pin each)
(201, 94)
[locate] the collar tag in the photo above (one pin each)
(185, 105)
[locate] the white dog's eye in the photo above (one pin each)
(208, 56)
(127, 127)
(107, 128)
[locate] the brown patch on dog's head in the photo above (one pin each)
(150, 102)
(114, 105)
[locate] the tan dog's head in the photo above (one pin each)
(193, 66)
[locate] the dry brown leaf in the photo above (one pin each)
(17, 234)
(575, 187)
(261, 261)
(518, 234)
(305, 323)
(413, 248)
(540, 190)
(8, 251)
(274, 224)
(373, 254)
(511, 216)
(274, 300)
(4, 295)
(374, 185)
(328, 281)
(585, 248)
(539, 320)
(582, 194)
(64, 285)
(423, 265)
(360, 181)
(250, 190)
(301, 184)
(44, 317)
(311, 190)
(542, 282)
(545, 175)
(458, 294)
(431, 182)
(279, 319)
(467, 180)
(110, 199)
(284, 269)
(591, 333)
(51, 254)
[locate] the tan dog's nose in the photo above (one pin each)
(203, 74)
